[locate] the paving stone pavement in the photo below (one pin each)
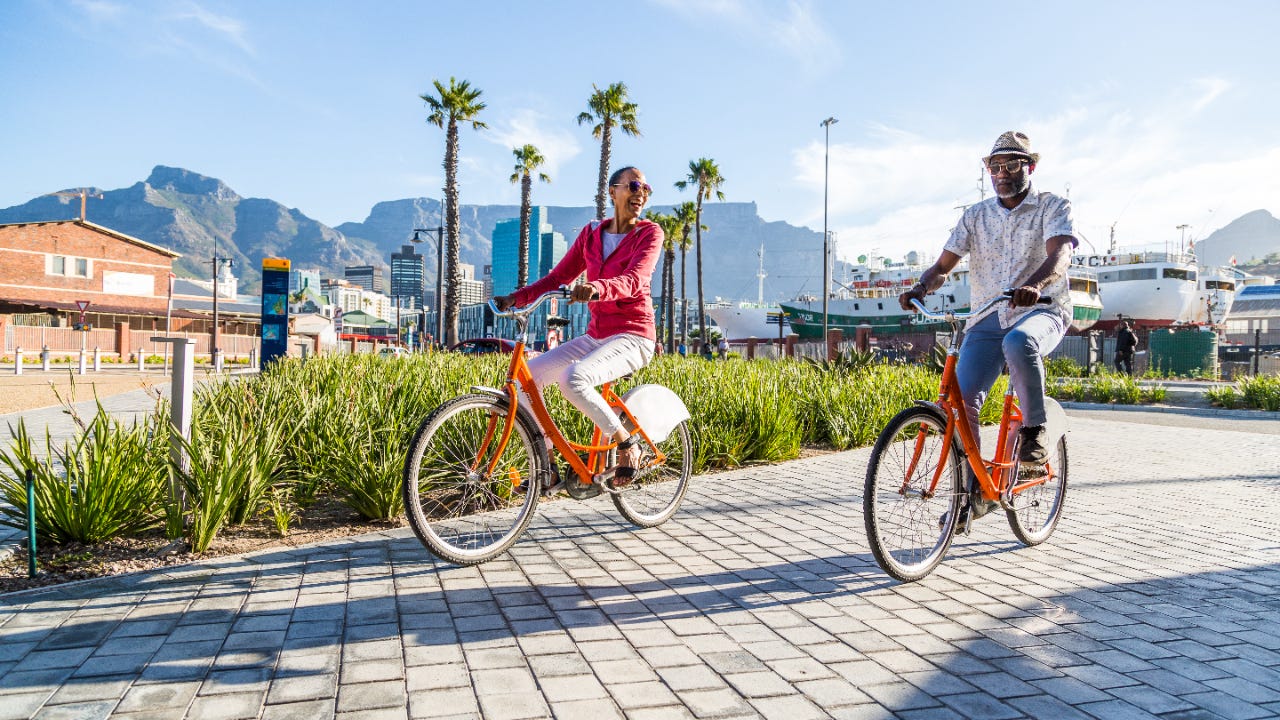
(1156, 597)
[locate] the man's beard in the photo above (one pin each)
(1024, 182)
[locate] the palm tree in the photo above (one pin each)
(528, 159)
(686, 214)
(608, 107)
(458, 102)
(705, 175)
(669, 226)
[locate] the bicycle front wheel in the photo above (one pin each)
(656, 494)
(909, 521)
(467, 494)
(1036, 510)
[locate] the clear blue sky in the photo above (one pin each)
(1155, 113)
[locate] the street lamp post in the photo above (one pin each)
(439, 231)
(826, 236)
(215, 353)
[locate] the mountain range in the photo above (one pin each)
(196, 216)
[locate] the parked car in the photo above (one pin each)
(485, 346)
(392, 351)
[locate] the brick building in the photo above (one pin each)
(46, 268)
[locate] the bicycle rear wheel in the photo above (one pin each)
(1036, 510)
(656, 494)
(908, 527)
(467, 495)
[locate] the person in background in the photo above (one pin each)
(618, 256)
(722, 348)
(1126, 343)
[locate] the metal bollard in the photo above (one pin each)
(44, 358)
(83, 363)
(97, 359)
(253, 357)
(31, 524)
(217, 360)
(142, 361)
(17, 362)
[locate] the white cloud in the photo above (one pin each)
(794, 28)
(1146, 168)
(530, 127)
(1211, 89)
(100, 10)
(229, 28)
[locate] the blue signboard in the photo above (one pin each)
(275, 309)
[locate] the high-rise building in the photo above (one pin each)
(546, 247)
(551, 252)
(408, 271)
(301, 279)
(470, 291)
(369, 277)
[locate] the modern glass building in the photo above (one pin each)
(408, 274)
(300, 279)
(546, 248)
(368, 277)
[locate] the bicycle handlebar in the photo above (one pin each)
(952, 315)
(563, 292)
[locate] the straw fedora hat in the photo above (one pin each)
(1013, 143)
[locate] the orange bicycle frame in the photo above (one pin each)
(519, 377)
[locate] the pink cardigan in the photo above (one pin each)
(622, 281)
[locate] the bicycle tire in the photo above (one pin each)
(656, 495)
(1036, 510)
(464, 516)
(910, 533)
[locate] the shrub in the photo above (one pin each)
(107, 482)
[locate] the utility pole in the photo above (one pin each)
(83, 193)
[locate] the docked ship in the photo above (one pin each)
(871, 298)
(1215, 292)
(1150, 289)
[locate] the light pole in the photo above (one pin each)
(826, 236)
(215, 354)
(439, 231)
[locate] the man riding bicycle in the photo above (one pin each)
(1020, 240)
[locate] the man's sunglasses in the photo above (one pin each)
(1012, 166)
(635, 186)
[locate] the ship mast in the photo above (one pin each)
(1111, 250)
(760, 276)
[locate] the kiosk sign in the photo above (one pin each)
(275, 309)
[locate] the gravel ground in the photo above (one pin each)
(36, 389)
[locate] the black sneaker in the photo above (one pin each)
(1032, 450)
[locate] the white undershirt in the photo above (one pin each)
(611, 242)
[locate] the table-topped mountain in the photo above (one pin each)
(190, 213)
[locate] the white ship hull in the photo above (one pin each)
(740, 323)
(1215, 292)
(1148, 289)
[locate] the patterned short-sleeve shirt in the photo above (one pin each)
(1006, 246)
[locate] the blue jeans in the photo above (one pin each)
(988, 348)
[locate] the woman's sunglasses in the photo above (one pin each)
(635, 186)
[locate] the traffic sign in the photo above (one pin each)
(82, 304)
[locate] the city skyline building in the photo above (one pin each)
(408, 277)
(546, 248)
(369, 277)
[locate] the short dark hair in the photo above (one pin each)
(613, 179)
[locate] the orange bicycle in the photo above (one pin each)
(480, 462)
(915, 485)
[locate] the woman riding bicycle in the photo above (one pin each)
(619, 256)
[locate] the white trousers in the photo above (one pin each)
(584, 363)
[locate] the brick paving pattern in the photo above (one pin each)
(1154, 598)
